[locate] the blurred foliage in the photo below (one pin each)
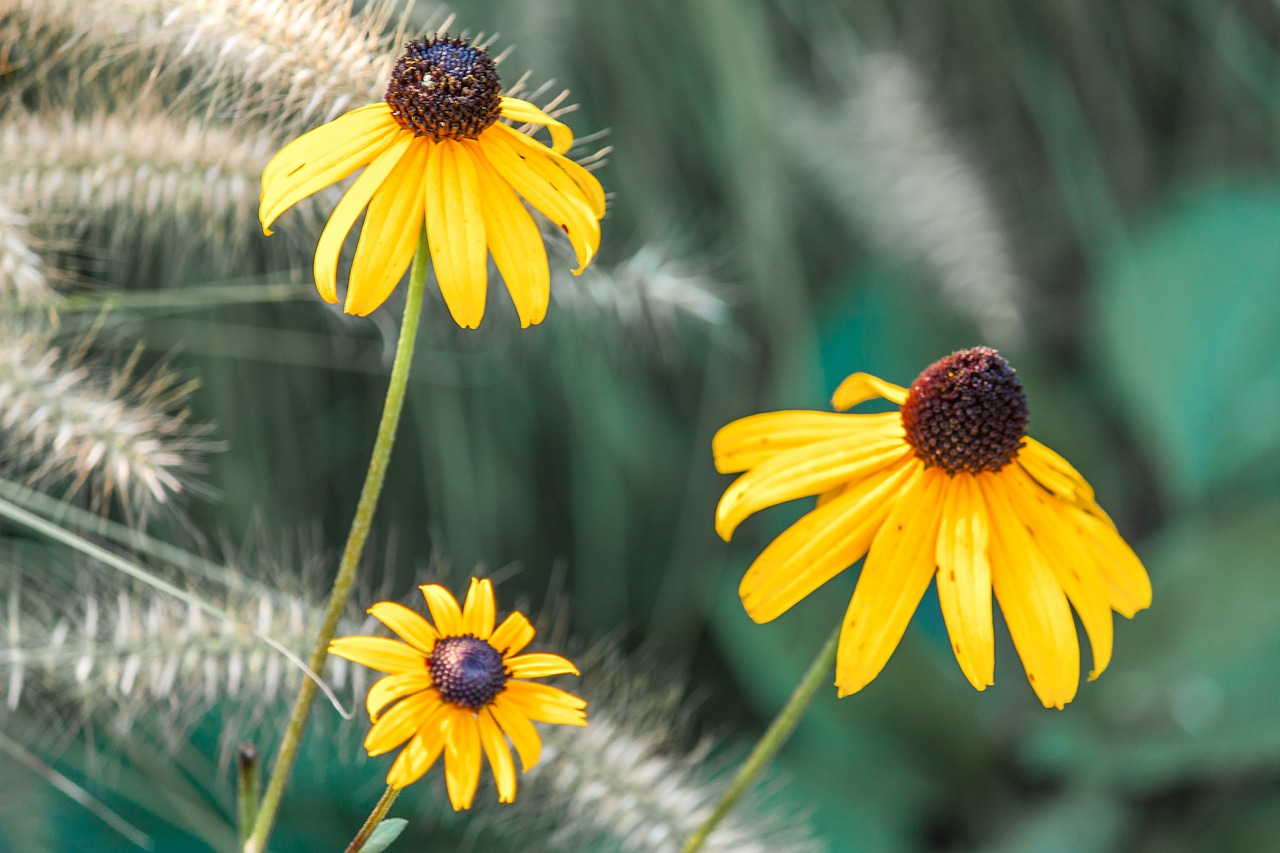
(1129, 153)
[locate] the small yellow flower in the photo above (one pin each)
(436, 155)
(457, 688)
(949, 488)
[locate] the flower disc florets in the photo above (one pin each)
(966, 413)
(445, 88)
(467, 671)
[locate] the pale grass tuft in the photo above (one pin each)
(109, 432)
(24, 278)
(888, 161)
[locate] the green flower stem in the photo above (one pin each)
(779, 730)
(246, 788)
(375, 818)
(257, 842)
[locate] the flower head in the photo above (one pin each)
(459, 688)
(436, 154)
(950, 488)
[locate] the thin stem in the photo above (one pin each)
(375, 818)
(247, 782)
(776, 735)
(382, 445)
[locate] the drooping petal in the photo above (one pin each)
(1057, 476)
(324, 156)
(801, 472)
(860, 387)
(462, 757)
(389, 235)
(378, 653)
(444, 610)
(387, 690)
(552, 165)
(495, 747)
(754, 440)
(401, 721)
(419, 755)
(411, 627)
(512, 635)
(515, 242)
(349, 208)
(894, 577)
(478, 610)
(821, 544)
(546, 703)
(1068, 558)
(517, 726)
(964, 579)
(560, 200)
(1035, 607)
(539, 665)
(1127, 580)
(456, 232)
(523, 111)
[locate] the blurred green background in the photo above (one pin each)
(1091, 187)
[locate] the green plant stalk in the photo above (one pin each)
(288, 753)
(776, 735)
(375, 818)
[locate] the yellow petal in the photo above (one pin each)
(455, 231)
(512, 635)
(894, 577)
(515, 241)
(400, 723)
(411, 627)
(462, 757)
(344, 216)
(523, 111)
(418, 756)
(556, 196)
(754, 440)
(804, 471)
(1035, 607)
(1056, 474)
(1127, 580)
(387, 690)
(444, 610)
(964, 579)
(495, 747)
(539, 665)
(517, 726)
(1069, 559)
(821, 544)
(860, 387)
(324, 156)
(477, 611)
(389, 235)
(378, 653)
(554, 167)
(546, 703)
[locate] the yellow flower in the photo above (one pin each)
(436, 155)
(457, 688)
(949, 488)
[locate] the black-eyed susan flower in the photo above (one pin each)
(437, 154)
(459, 688)
(949, 488)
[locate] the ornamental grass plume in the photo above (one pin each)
(436, 154)
(949, 488)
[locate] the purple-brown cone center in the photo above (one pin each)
(445, 88)
(467, 671)
(966, 413)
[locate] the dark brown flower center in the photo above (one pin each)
(966, 413)
(445, 88)
(467, 671)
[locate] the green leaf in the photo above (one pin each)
(388, 831)
(1189, 312)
